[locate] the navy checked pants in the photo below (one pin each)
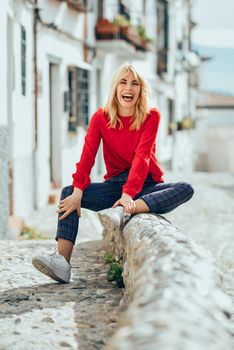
(161, 198)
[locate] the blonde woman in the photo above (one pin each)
(133, 180)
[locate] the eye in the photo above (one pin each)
(122, 82)
(135, 83)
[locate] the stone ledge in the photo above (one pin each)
(172, 285)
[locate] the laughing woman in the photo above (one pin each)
(133, 180)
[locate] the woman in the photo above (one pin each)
(128, 129)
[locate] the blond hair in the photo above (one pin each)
(141, 109)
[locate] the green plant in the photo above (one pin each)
(30, 233)
(142, 33)
(108, 258)
(115, 270)
(115, 274)
(122, 21)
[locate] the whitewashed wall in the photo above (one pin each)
(214, 139)
(55, 47)
(63, 50)
(3, 123)
(22, 116)
(3, 65)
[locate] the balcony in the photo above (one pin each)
(117, 33)
(79, 5)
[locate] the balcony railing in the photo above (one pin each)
(79, 5)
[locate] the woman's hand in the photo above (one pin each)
(127, 202)
(70, 203)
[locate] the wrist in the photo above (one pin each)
(77, 190)
(126, 195)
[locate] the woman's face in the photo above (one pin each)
(127, 93)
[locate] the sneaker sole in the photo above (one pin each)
(46, 270)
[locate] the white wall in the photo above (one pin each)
(62, 50)
(215, 140)
(3, 63)
(22, 116)
(3, 123)
(52, 47)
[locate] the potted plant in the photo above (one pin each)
(106, 29)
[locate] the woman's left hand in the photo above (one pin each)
(127, 202)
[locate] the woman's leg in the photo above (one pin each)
(96, 197)
(67, 229)
(162, 198)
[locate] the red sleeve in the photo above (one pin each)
(140, 165)
(81, 177)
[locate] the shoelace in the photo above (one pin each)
(56, 254)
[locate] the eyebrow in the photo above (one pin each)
(133, 81)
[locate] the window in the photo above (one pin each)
(78, 83)
(23, 61)
(83, 97)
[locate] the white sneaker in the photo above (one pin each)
(55, 266)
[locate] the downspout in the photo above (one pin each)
(35, 141)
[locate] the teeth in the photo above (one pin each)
(127, 98)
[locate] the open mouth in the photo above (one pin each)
(127, 97)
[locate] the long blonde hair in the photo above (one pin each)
(141, 109)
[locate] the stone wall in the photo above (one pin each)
(3, 183)
(172, 286)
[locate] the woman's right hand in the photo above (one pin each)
(70, 203)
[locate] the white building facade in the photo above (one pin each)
(167, 62)
(45, 45)
(4, 130)
(59, 58)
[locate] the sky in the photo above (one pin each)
(215, 24)
(213, 36)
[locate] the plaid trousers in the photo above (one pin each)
(161, 198)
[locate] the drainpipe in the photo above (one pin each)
(35, 145)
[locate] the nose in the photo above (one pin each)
(128, 86)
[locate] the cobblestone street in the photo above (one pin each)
(36, 313)
(33, 310)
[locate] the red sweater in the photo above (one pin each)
(123, 149)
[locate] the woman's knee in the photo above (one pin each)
(66, 191)
(186, 188)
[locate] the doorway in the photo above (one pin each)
(54, 126)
